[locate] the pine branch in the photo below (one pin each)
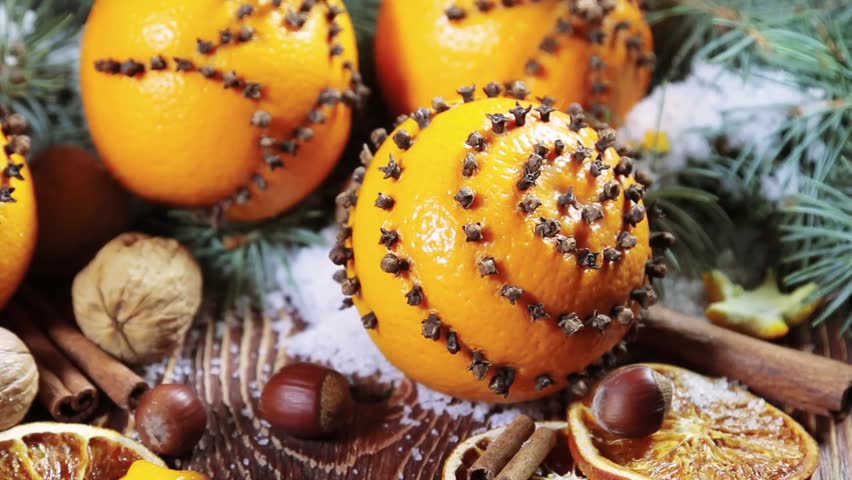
(818, 235)
(692, 213)
(242, 258)
(810, 41)
(38, 65)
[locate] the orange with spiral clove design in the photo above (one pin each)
(240, 104)
(18, 222)
(595, 52)
(497, 249)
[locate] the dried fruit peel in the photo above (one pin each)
(241, 106)
(764, 312)
(36, 451)
(498, 249)
(599, 54)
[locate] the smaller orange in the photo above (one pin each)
(715, 430)
(597, 53)
(18, 223)
(240, 106)
(80, 208)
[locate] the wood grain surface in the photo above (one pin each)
(229, 357)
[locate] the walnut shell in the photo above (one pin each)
(18, 380)
(138, 297)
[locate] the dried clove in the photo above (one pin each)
(511, 293)
(488, 266)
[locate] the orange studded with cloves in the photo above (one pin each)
(595, 52)
(18, 222)
(244, 106)
(496, 249)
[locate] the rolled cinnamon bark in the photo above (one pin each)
(502, 449)
(798, 379)
(66, 393)
(530, 456)
(119, 383)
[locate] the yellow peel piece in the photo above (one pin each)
(142, 470)
(764, 312)
(718, 287)
(656, 141)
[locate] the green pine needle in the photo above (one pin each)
(38, 68)
(241, 257)
(811, 42)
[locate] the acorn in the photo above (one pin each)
(171, 419)
(632, 401)
(307, 401)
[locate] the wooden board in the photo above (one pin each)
(229, 357)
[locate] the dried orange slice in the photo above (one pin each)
(715, 429)
(558, 464)
(59, 451)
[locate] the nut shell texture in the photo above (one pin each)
(171, 419)
(467, 297)
(307, 400)
(18, 379)
(632, 401)
(138, 297)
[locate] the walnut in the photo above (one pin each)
(138, 297)
(18, 379)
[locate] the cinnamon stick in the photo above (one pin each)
(798, 379)
(502, 449)
(530, 456)
(119, 383)
(66, 393)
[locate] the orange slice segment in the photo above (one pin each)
(57, 451)
(714, 430)
(558, 464)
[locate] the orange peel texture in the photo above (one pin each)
(235, 104)
(496, 249)
(18, 222)
(597, 52)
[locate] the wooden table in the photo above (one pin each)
(232, 354)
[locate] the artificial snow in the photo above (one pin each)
(714, 101)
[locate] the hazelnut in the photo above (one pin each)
(632, 401)
(18, 379)
(171, 419)
(307, 400)
(138, 297)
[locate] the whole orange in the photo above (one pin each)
(496, 249)
(240, 104)
(80, 208)
(18, 224)
(595, 52)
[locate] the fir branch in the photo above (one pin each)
(241, 257)
(38, 65)
(693, 215)
(810, 42)
(818, 235)
(364, 14)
